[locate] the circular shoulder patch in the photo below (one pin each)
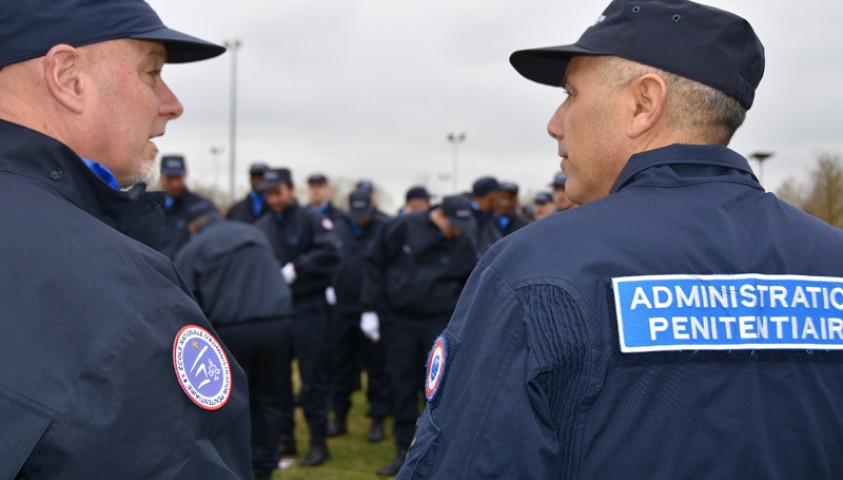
(436, 362)
(327, 224)
(202, 367)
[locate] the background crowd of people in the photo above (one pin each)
(340, 291)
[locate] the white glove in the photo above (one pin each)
(289, 272)
(370, 325)
(330, 296)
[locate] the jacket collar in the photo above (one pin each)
(54, 167)
(687, 164)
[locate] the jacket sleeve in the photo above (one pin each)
(377, 257)
(512, 386)
(319, 261)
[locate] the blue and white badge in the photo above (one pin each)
(728, 312)
(436, 362)
(202, 367)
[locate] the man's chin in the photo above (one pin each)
(146, 174)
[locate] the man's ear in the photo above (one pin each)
(649, 94)
(63, 77)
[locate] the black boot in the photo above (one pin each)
(316, 455)
(337, 427)
(288, 445)
(391, 468)
(376, 431)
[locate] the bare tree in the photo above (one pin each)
(823, 195)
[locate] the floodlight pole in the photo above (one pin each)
(455, 140)
(233, 46)
(760, 157)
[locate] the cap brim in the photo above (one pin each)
(182, 48)
(462, 224)
(547, 65)
(264, 186)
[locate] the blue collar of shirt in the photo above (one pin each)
(102, 173)
(258, 200)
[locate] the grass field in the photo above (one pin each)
(352, 457)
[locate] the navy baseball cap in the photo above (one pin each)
(484, 186)
(32, 27)
(559, 180)
(275, 177)
(360, 205)
(173, 165)
(459, 212)
(258, 168)
(543, 198)
(317, 178)
(417, 192)
(510, 187)
(366, 185)
(698, 42)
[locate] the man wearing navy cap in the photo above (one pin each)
(417, 199)
(666, 327)
(560, 197)
(356, 234)
(485, 199)
(413, 275)
(110, 368)
(177, 204)
(507, 214)
(307, 252)
(543, 205)
(254, 206)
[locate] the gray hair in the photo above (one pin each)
(691, 106)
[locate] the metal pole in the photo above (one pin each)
(232, 123)
(455, 141)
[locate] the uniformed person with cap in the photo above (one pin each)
(307, 252)
(348, 344)
(560, 197)
(254, 206)
(507, 214)
(177, 204)
(413, 275)
(417, 199)
(674, 335)
(485, 199)
(110, 368)
(319, 194)
(230, 268)
(543, 205)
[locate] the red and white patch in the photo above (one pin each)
(202, 367)
(436, 363)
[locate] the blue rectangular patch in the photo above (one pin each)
(660, 313)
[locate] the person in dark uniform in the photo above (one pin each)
(507, 214)
(543, 205)
(560, 197)
(177, 204)
(230, 269)
(110, 369)
(319, 194)
(348, 343)
(306, 249)
(417, 199)
(665, 327)
(254, 206)
(485, 199)
(413, 275)
(369, 186)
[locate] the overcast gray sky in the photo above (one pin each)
(371, 88)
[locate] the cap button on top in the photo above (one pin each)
(636, 9)
(56, 173)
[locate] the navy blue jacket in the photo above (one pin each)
(412, 270)
(175, 222)
(243, 211)
(533, 383)
(354, 242)
(231, 271)
(304, 237)
(88, 387)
